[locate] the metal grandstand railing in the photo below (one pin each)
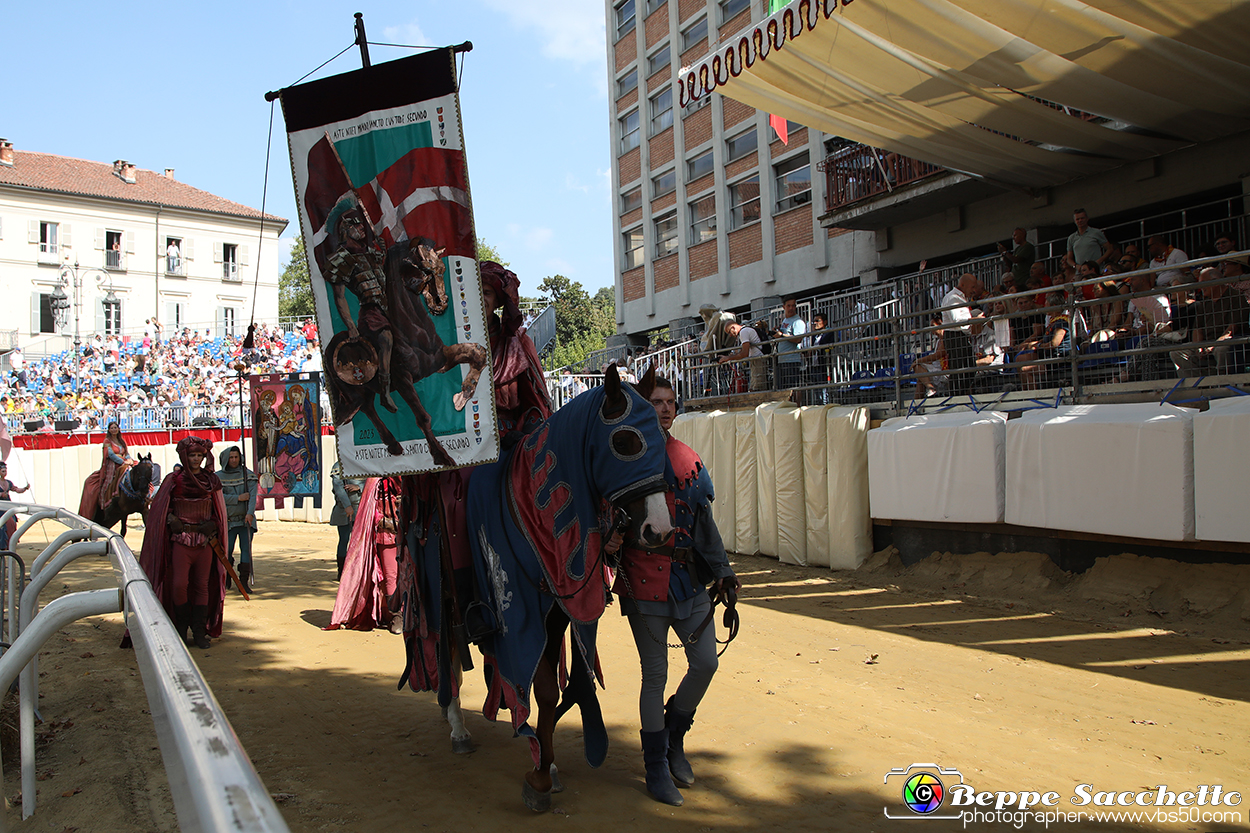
(882, 349)
(213, 783)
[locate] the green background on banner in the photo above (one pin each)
(366, 156)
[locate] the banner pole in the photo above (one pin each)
(361, 41)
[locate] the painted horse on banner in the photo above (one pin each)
(534, 523)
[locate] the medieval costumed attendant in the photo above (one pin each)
(7, 487)
(101, 485)
(238, 488)
(367, 597)
(659, 591)
(186, 521)
(443, 566)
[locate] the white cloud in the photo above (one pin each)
(408, 34)
(571, 30)
(535, 239)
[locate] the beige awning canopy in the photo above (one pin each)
(1022, 92)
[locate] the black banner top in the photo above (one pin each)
(379, 87)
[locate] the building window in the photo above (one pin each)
(633, 247)
(666, 235)
(175, 315)
(631, 200)
(227, 321)
(696, 104)
(659, 60)
(627, 82)
(701, 165)
(662, 110)
(731, 8)
(629, 131)
(112, 316)
(624, 19)
(48, 245)
(664, 183)
(703, 219)
(230, 262)
(173, 256)
(793, 182)
(744, 202)
(652, 5)
(42, 318)
(113, 250)
(695, 34)
(740, 145)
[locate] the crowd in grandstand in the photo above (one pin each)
(153, 380)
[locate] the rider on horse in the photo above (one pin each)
(662, 589)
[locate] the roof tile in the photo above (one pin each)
(48, 172)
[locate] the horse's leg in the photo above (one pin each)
(392, 445)
(440, 455)
(474, 355)
(461, 740)
(546, 692)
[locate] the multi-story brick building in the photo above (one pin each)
(146, 246)
(711, 207)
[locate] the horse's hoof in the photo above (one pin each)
(395, 449)
(536, 801)
(557, 786)
(463, 746)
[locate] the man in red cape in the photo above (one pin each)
(187, 513)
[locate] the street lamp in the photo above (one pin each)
(72, 276)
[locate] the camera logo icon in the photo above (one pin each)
(923, 789)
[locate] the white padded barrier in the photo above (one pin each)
(1222, 471)
(766, 477)
(725, 431)
(939, 467)
(850, 523)
(788, 466)
(746, 494)
(1116, 469)
(816, 483)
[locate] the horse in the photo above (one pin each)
(134, 492)
(412, 269)
(534, 523)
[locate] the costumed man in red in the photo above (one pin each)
(366, 597)
(659, 591)
(442, 566)
(187, 517)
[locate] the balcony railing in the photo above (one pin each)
(175, 266)
(860, 172)
(115, 260)
(230, 272)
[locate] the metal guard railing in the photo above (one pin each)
(873, 360)
(213, 783)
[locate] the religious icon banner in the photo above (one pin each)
(286, 436)
(383, 193)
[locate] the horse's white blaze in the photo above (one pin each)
(657, 521)
(456, 719)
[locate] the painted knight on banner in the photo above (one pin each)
(382, 186)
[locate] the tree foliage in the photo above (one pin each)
(295, 298)
(486, 251)
(583, 323)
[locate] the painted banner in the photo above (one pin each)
(383, 193)
(286, 436)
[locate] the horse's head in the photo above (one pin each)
(628, 456)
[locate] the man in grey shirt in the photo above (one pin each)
(1087, 242)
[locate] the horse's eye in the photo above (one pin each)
(627, 443)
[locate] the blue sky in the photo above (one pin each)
(181, 85)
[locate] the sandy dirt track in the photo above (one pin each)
(836, 679)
